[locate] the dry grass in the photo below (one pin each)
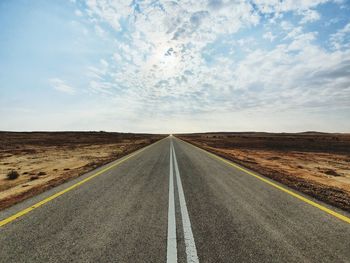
(299, 161)
(41, 164)
(325, 168)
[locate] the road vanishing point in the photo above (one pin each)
(173, 202)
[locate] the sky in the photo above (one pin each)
(175, 66)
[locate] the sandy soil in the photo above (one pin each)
(44, 161)
(329, 169)
(304, 166)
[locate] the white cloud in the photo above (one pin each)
(341, 39)
(163, 67)
(110, 11)
(309, 15)
(273, 6)
(78, 12)
(60, 85)
(204, 64)
(269, 36)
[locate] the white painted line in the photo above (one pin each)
(191, 250)
(171, 256)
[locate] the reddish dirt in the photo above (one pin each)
(317, 164)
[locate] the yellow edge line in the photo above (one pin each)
(48, 199)
(300, 197)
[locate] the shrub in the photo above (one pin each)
(12, 175)
(34, 177)
(331, 172)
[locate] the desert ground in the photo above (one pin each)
(317, 164)
(45, 159)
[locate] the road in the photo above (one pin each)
(171, 202)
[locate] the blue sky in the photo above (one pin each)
(175, 66)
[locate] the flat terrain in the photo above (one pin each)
(315, 163)
(46, 159)
(172, 202)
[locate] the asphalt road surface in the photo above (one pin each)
(172, 202)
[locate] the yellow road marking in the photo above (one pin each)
(48, 199)
(300, 197)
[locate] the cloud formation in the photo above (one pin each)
(190, 56)
(60, 85)
(191, 65)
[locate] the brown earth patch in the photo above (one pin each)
(315, 164)
(47, 159)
